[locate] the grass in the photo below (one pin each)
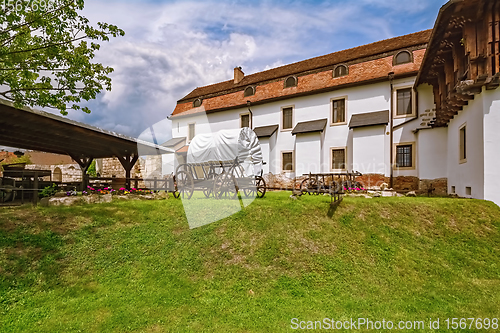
(137, 267)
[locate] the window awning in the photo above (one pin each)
(310, 126)
(265, 131)
(369, 119)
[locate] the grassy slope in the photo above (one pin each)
(135, 266)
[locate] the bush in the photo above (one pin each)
(48, 191)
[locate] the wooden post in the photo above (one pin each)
(128, 163)
(84, 163)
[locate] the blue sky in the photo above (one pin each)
(171, 47)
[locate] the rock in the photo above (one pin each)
(293, 197)
(383, 186)
(66, 201)
(44, 202)
(386, 194)
(161, 195)
(105, 198)
(60, 195)
(399, 195)
(411, 194)
(376, 195)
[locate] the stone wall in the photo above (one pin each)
(70, 172)
(440, 185)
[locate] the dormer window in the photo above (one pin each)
(403, 57)
(197, 103)
(249, 91)
(290, 81)
(340, 70)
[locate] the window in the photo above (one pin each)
(468, 190)
(287, 161)
(404, 156)
(463, 144)
(340, 70)
(338, 111)
(191, 132)
(290, 81)
(57, 177)
(249, 91)
(287, 118)
(404, 104)
(245, 120)
(197, 103)
(338, 159)
(453, 189)
(402, 57)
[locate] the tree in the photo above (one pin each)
(46, 52)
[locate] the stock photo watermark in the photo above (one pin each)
(383, 324)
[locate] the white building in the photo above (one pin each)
(410, 110)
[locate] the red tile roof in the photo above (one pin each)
(366, 63)
(359, 52)
(364, 72)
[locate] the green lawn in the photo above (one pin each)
(136, 266)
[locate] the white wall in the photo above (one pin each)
(432, 146)
(491, 123)
(307, 153)
(469, 173)
(369, 149)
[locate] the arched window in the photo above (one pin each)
(402, 57)
(57, 176)
(340, 70)
(249, 91)
(290, 81)
(197, 103)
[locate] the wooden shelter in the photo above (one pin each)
(27, 128)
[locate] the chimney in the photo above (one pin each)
(238, 75)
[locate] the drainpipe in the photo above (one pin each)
(251, 114)
(391, 132)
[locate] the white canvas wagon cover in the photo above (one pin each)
(226, 145)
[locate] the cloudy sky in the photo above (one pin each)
(172, 47)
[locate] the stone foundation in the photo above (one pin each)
(439, 185)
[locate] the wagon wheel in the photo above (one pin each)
(209, 190)
(185, 185)
(258, 188)
(225, 186)
(357, 185)
(347, 184)
(261, 187)
(311, 186)
(335, 187)
(250, 192)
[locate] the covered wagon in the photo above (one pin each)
(221, 164)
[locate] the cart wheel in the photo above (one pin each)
(335, 187)
(357, 185)
(176, 194)
(185, 185)
(209, 190)
(303, 186)
(311, 186)
(347, 184)
(225, 187)
(261, 187)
